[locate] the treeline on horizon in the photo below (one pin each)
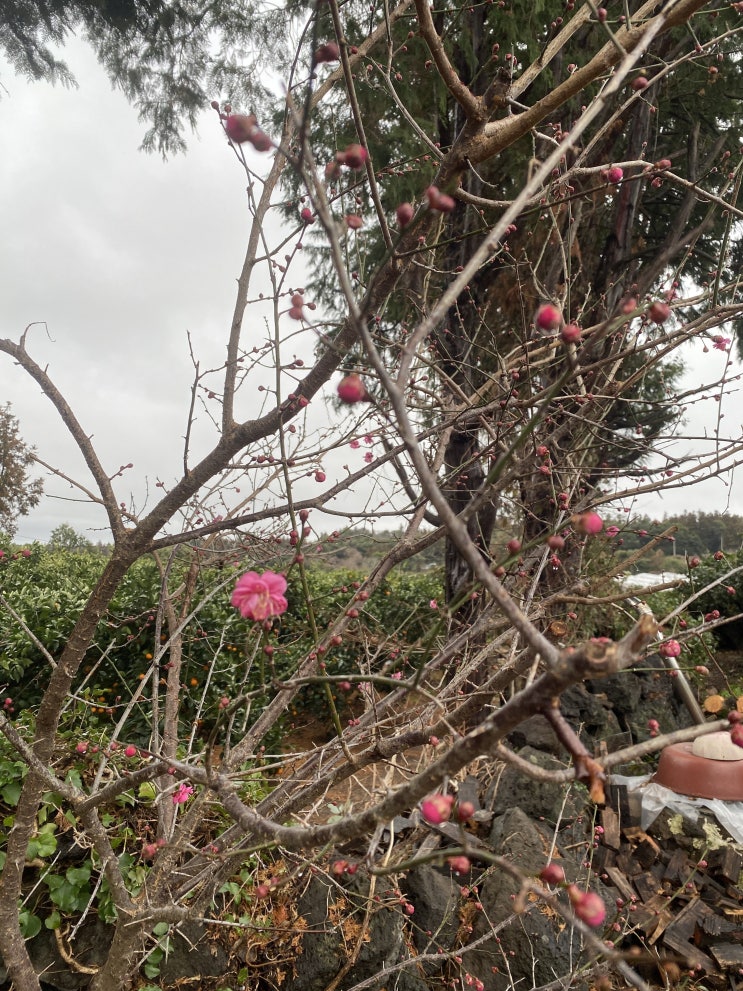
(696, 534)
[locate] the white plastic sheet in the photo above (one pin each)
(654, 798)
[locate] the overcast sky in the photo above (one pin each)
(121, 256)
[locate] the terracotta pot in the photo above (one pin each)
(687, 773)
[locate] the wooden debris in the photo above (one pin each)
(727, 863)
(713, 704)
(728, 955)
(610, 824)
(689, 910)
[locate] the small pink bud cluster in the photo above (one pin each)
(296, 311)
(150, 849)
(653, 727)
(244, 127)
(439, 201)
(8, 706)
(438, 807)
(339, 867)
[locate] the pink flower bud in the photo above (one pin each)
(614, 175)
(571, 333)
(659, 312)
(552, 874)
(404, 214)
(548, 317)
(439, 201)
(587, 905)
(355, 156)
(460, 865)
(329, 52)
(131, 751)
(589, 523)
(351, 389)
(437, 808)
(670, 648)
(240, 127)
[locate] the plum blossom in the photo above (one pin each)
(182, 793)
(589, 523)
(670, 648)
(437, 808)
(258, 597)
(720, 343)
(587, 905)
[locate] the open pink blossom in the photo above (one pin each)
(259, 597)
(182, 793)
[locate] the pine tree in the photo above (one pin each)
(18, 492)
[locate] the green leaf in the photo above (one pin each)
(53, 920)
(30, 924)
(43, 844)
(79, 876)
(11, 793)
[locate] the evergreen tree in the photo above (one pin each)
(19, 493)
(169, 59)
(594, 245)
